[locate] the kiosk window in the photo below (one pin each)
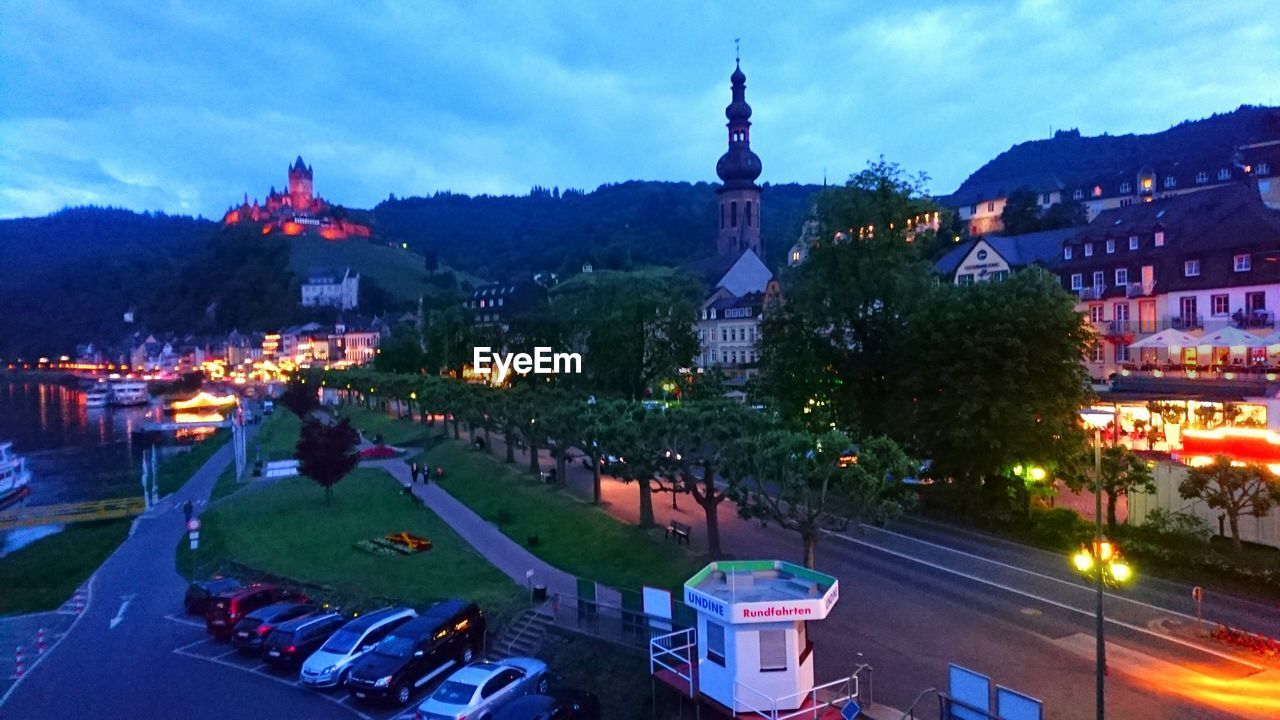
(715, 643)
(773, 650)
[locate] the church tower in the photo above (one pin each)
(300, 194)
(738, 169)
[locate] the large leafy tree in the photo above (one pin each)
(1235, 490)
(639, 439)
(995, 380)
(327, 452)
(1123, 472)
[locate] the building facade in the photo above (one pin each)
(331, 288)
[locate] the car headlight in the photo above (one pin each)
(383, 682)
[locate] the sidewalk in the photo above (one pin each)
(504, 553)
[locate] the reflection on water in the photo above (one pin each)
(73, 453)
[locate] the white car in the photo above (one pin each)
(328, 666)
(478, 689)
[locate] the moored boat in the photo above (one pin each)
(129, 392)
(14, 477)
(97, 396)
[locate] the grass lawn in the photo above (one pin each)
(401, 433)
(176, 470)
(42, 575)
(400, 272)
(573, 535)
(276, 438)
(286, 529)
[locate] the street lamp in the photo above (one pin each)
(1096, 419)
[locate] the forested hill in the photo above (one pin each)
(638, 222)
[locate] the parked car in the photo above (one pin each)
(252, 629)
(227, 608)
(558, 704)
(448, 633)
(328, 666)
(294, 641)
(476, 689)
(200, 592)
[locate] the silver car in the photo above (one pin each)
(480, 688)
(328, 666)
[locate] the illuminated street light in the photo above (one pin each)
(1095, 419)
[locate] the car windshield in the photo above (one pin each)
(395, 646)
(454, 693)
(342, 642)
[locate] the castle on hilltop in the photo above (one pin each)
(297, 211)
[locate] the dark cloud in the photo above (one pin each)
(185, 106)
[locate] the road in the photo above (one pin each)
(119, 660)
(918, 596)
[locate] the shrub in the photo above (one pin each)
(1059, 528)
(1182, 526)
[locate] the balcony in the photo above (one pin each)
(1264, 319)
(1186, 322)
(1091, 293)
(1137, 290)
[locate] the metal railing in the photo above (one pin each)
(673, 652)
(64, 513)
(1138, 289)
(811, 704)
(608, 621)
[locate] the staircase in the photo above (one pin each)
(524, 636)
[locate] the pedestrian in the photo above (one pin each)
(426, 475)
(413, 471)
(187, 509)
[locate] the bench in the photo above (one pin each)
(679, 530)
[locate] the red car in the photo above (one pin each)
(226, 609)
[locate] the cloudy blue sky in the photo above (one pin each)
(185, 107)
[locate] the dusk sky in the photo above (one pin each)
(187, 107)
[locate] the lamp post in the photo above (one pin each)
(1095, 419)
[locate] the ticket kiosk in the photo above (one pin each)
(750, 651)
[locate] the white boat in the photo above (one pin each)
(13, 476)
(129, 392)
(97, 396)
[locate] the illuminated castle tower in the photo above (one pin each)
(300, 185)
(739, 168)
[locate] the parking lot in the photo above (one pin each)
(229, 662)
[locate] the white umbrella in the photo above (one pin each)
(1169, 338)
(1272, 339)
(1230, 337)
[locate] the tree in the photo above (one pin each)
(401, 353)
(299, 398)
(707, 436)
(1021, 213)
(798, 481)
(994, 380)
(638, 438)
(1244, 490)
(1123, 472)
(327, 452)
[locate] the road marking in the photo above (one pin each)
(232, 651)
(185, 621)
(195, 644)
(1007, 566)
(88, 601)
(124, 605)
(1055, 603)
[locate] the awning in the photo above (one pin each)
(1169, 338)
(1229, 337)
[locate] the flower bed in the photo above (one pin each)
(394, 544)
(1258, 644)
(379, 452)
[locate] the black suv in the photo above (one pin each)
(294, 641)
(251, 632)
(200, 592)
(448, 633)
(562, 704)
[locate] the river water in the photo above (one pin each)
(74, 453)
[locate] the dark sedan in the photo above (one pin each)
(563, 704)
(200, 592)
(251, 632)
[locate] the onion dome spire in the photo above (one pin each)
(739, 167)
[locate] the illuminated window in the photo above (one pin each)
(1191, 268)
(1077, 281)
(1224, 174)
(1146, 183)
(1243, 263)
(1097, 191)
(1066, 252)
(1159, 238)
(1133, 242)
(1170, 181)
(1220, 305)
(1088, 249)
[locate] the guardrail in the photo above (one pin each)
(813, 703)
(65, 513)
(673, 652)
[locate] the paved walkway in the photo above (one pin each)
(504, 553)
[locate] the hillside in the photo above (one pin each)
(401, 273)
(1071, 159)
(614, 226)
